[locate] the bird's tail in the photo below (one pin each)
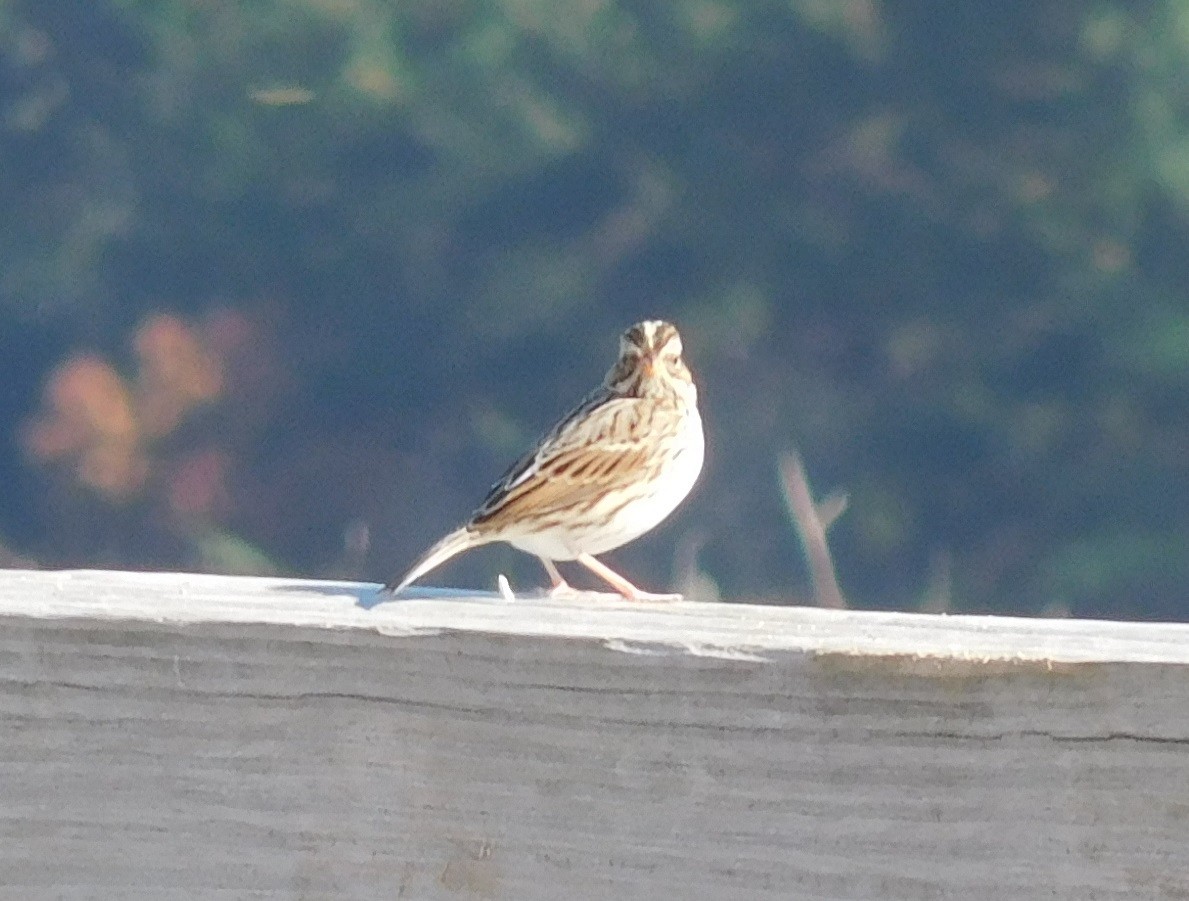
(453, 544)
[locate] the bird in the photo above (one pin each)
(610, 470)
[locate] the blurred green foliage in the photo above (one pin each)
(941, 248)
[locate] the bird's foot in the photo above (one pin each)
(563, 591)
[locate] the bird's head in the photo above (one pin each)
(650, 362)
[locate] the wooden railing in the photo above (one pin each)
(182, 736)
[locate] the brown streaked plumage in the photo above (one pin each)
(608, 472)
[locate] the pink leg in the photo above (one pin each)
(619, 583)
(560, 587)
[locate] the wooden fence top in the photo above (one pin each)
(169, 736)
(696, 628)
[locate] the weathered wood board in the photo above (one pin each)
(173, 736)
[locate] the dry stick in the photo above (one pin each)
(939, 590)
(811, 529)
(505, 588)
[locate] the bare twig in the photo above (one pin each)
(505, 588)
(694, 583)
(811, 522)
(939, 591)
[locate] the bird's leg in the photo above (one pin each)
(560, 587)
(619, 583)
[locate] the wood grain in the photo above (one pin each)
(171, 736)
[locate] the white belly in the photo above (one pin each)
(613, 523)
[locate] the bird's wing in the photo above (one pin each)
(597, 448)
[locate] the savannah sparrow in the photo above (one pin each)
(606, 474)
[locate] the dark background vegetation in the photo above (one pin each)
(285, 285)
